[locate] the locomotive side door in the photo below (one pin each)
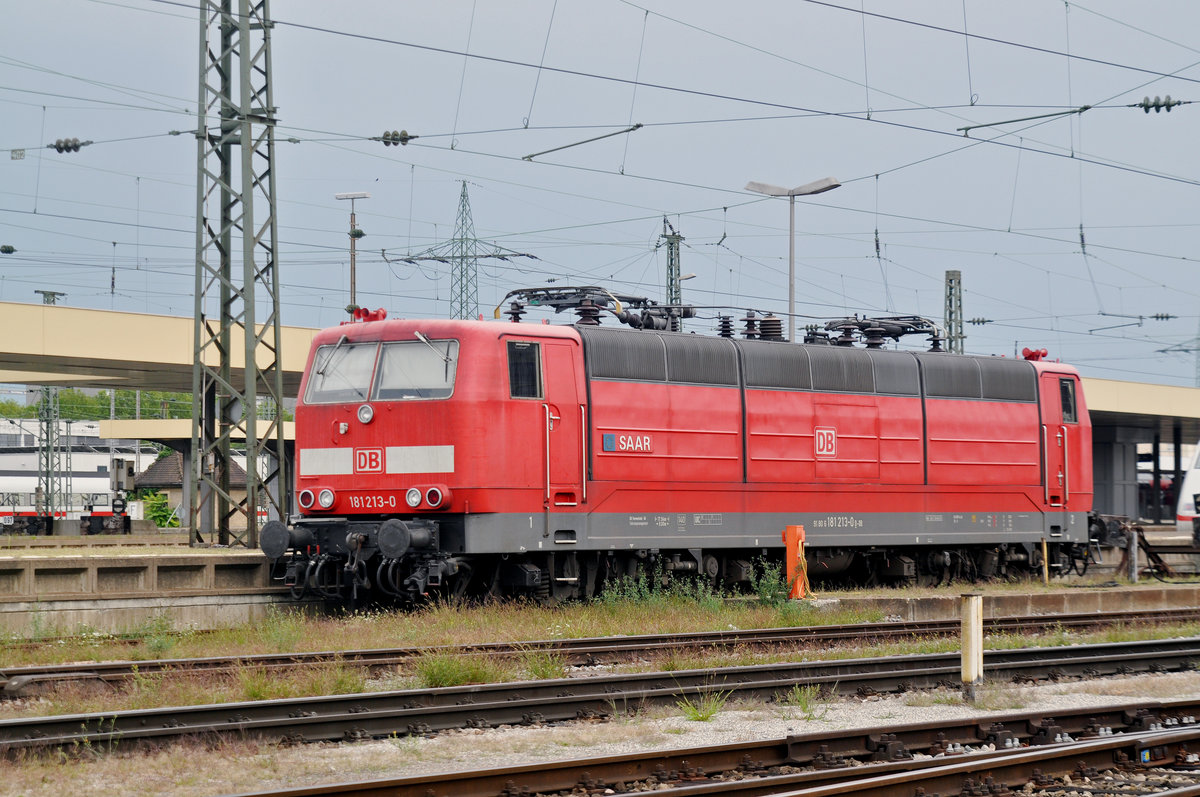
(1060, 434)
(563, 424)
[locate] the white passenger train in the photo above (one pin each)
(92, 498)
(1186, 514)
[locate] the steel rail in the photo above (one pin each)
(758, 765)
(97, 541)
(582, 651)
(411, 712)
(999, 774)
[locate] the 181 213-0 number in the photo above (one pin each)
(373, 502)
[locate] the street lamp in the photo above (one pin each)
(818, 187)
(676, 313)
(355, 234)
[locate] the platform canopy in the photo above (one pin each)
(1155, 409)
(43, 344)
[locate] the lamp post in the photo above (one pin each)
(676, 312)
(355, 234)
(817, 187)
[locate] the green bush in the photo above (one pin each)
(158, 510)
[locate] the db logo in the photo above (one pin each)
(368, 460)
(826, 441)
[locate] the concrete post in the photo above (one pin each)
(1131, 548)
(972, 645)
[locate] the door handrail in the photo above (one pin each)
(546, 410)
(583, 453)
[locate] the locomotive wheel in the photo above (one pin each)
(710, 571)
(460, 582)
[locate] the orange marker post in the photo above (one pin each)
(796, 569)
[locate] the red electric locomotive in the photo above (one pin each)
(455, 457)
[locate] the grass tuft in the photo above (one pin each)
(332, 678)
(804, 701)
(434, 670)
(541, 664)
(704, 706)
(989, 697)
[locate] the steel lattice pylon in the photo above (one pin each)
(674, 292)
(235, 152)
(49, 495)
(54, 470)
(464, 252)
(954, 312)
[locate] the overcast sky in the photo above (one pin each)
(1071, 232)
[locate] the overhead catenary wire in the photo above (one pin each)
(463, 79)
(1019, 155)
(538, 77)
(972, 96)
(997, 40)
(866, 71)
(637, 73)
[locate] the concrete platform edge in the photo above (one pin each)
(1068, 600)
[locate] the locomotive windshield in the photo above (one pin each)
(419, 369)
(341, 372)
(422, 369)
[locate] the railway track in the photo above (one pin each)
(16, 681)
(24, 541)
(855, 761)
(414, 712)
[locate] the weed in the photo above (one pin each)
(630, 589)
(331, 678)
(680, 660)
(160, 646)
(542, 664)
(340, 678)
(996, 697)
(769, 583)
(806, 700)
(922, 699)
(157, 632)
(409, 745)
(257, 684)
(282, 629)
(704, 706)
(698, 591)
(448, 669)
(38, 628)
(626, 709)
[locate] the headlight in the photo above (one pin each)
(325, 498)
(433, 496)
(413, 497)
(366, 413)
(306, 498)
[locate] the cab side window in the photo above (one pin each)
(1066, 389)
(524, 369)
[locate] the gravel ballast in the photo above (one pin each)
(235, 767)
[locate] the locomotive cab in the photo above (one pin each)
(413, 436)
